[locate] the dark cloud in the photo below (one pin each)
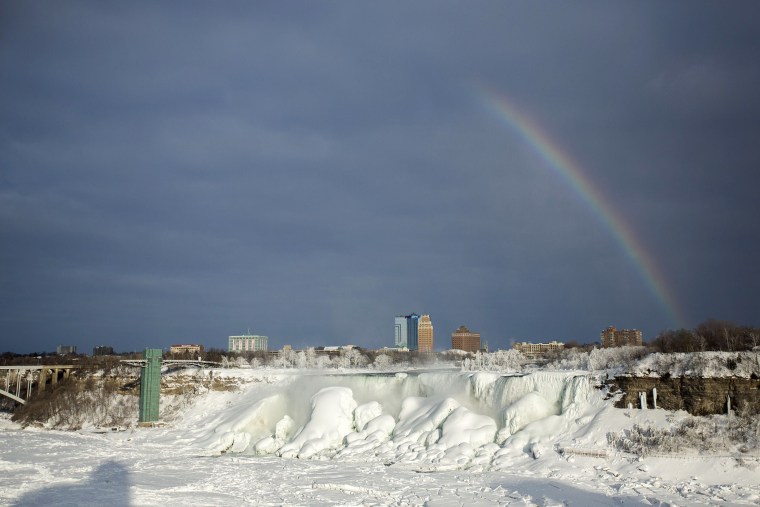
(182, 172)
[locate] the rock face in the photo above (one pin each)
(696, 395)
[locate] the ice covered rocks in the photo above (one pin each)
(332, 418)
(465, 426)
(365, 413)
(283, 430)
(524, 411)
(422, 415)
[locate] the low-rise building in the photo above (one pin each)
(186, 349)
(537, 349)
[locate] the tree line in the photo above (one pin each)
(713, 335)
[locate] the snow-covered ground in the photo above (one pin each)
(311, 438)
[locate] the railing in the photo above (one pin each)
(577, 451)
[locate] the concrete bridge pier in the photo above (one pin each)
(42, 380)
(16, 375)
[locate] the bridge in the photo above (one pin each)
(150, 380)
(19, 379)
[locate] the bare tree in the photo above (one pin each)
(730, 340)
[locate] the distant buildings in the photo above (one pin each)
(464, 339)
(425, 334)
(102, 350)
(186, 349)
(63, 350)
(413, 332)
(247, 343)
(537, 349)
(612, 337)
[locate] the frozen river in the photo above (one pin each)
(57, 468)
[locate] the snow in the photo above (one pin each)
(412, 438)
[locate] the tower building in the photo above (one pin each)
(405, 331)
(425, 334)
(412, 322)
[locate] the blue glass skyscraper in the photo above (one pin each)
(411, 331)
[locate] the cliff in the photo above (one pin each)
(696, 395)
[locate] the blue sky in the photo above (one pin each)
(186, 171)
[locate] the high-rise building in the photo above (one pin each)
(412, 326)
(612, 337)
(247, 343)
(425, 334)
(464, 339)
(399, 333)
(405, 331)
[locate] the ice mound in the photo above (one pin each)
(282, 432)
(332, 418)
(446, 420)
(464, 426)
(365, 413)
(422, 415)
(524, 411)
(234, 430)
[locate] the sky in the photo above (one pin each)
(179, 172)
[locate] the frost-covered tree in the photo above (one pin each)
(311, 358)
(382, 362)
(340, 361)
(501, 360)
(355, 358)
(322, 362)
(286, 358)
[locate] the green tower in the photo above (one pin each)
(150, 386)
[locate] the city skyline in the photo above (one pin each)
(175, 173)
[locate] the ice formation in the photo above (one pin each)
(442, 418)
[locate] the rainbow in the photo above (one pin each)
(508, 115)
